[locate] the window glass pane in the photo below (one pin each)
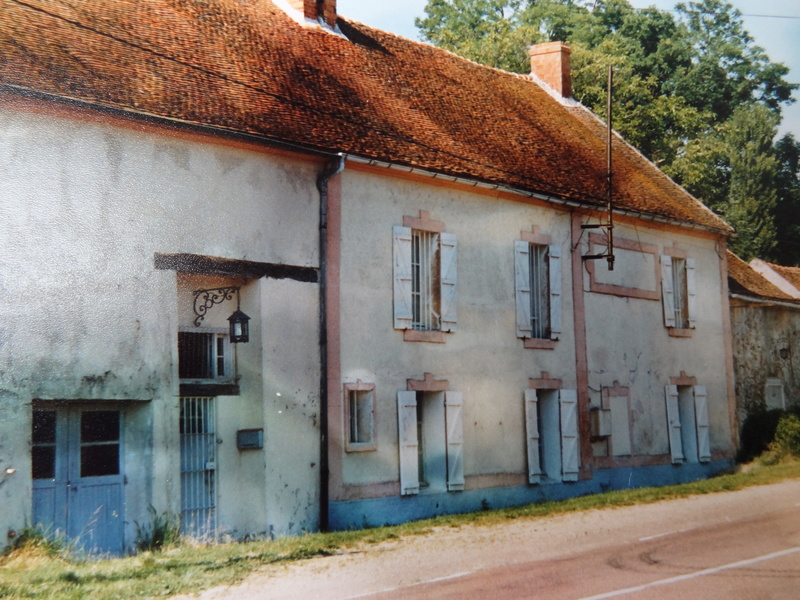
(100, 426)
(43, 462)
(220, 356)
(98, 460)
(44, 427)
(360, 417)
(540, 291)
(195, 358)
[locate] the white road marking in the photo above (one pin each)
(427, 581)
(736, 565)
(660, 535)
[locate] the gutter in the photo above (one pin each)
(538, 196)
(766, 302)
(333, 168)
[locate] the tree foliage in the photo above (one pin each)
(693, 92)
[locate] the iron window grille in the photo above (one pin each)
(204, 355)
(540, 291)
(680, 292)
(425, 281)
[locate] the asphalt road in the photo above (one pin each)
(741, 559)
(741, 545)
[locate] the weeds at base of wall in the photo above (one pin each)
(37, 543)
(758, 435)
(162, 531)
(786, 442)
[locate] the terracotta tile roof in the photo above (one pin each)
(743, 279)
(245, 66)
(790, 274)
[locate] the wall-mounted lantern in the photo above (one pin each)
(239, 322)
(240, 327)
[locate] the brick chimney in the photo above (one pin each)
(316, 10)
(550, 63)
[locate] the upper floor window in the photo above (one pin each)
(424, 278)
(204, 355)
(678, 290)
(537, 272)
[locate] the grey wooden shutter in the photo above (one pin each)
(701, 421)
(691, 291)
(667, 292)
(522, 284)
(570, 446)
(402, 277)
(407, 440)
(454, 419)
(674, 423)
(532, 436)
(448, 289)
(554, 270)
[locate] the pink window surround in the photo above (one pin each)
(595, 239)
(683, 379)
(424, 223)
(427, 384)
(535, 236)
(676, 251)
(359, 386)
(545, 382)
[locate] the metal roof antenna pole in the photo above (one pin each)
(609, 176)
(333, 168)
(609, 224)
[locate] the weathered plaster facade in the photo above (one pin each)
(88, 320)
(614, 349)
(765, 346)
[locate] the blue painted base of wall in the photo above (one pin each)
(375, 512)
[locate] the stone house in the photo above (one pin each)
(765, 318)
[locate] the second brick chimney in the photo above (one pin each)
(316, 10)
(550, 63)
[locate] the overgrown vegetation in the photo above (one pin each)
(760, 438)
(35, 570)
(163, 530)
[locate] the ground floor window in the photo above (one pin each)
(687, 418)
(431, 441)
(551, 419)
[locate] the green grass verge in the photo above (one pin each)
(34, 572)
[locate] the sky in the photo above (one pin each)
(779, 37)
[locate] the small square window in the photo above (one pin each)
(204, 355)
(360, 413)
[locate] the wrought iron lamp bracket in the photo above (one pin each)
(205, 299)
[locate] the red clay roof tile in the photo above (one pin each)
(245, 66)
(745, 279)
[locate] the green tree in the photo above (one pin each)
(752, 196)
(787, 209)
(679, 81)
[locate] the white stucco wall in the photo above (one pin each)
(484, 359)
(627, 341)
(86, 205)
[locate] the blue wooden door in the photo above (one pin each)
(77, 476)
